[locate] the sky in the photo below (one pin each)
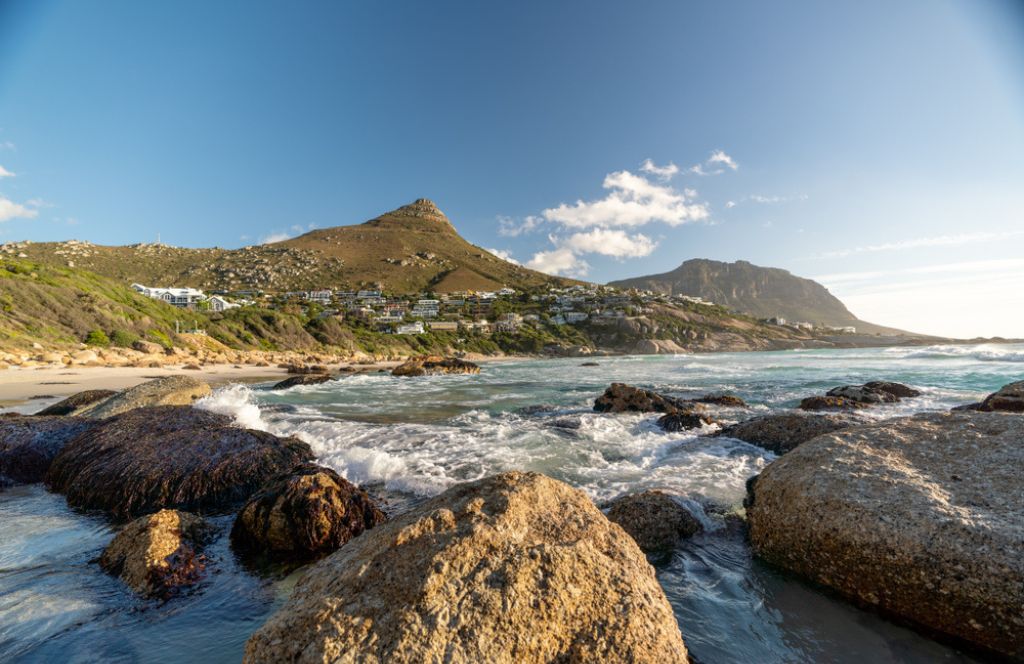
(875, 146)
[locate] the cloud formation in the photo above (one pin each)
(4, 173)
(11, 210)
(503, 255)
(716, 164)
(615, 243)
(916, 243)
(509, 227)
(662, 172)
(562, 261)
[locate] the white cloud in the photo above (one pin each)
(633, 201)
(610, 243)
(11, 210)
(730, 204)
(562, 261)
(662, 172)
(509, 227)
(7, 145)
(275, 237)
(504, 255)
(716, 164)
(4, 173)
(917, 243)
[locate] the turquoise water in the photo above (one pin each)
(406, 439)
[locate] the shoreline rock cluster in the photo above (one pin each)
(680, 414)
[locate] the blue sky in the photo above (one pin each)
(876, 146)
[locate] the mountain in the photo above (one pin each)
(763, 292)
(409, 250)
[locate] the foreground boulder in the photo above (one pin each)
(303, 379)
(165, 391)
(1010, 399)
(512, 568)
(305, 515)
(850, 397)
(782, 432)
(28, 445)
(432, 365)
(898, 390)
(76, 403)
(169, 456)
(918, 517)
(158, 554)
(684, 419)
(863, 394)
(622, 398)
(654, 519)
(831, 403)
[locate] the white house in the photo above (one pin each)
(178, 297)
(410, 328)
(217, 303)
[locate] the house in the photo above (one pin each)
(410, 328)
(507, 292)
(426, 308)
(320, 296)
(777, 320)
(217, 303)
(185, 298)
(443, 326)
(573, 317)
(509, 322)
(532, 319)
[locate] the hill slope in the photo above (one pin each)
(412, 249)
(758, 291)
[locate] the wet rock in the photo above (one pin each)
(305, 515)
(726, 400)
(622, 398)
(919, 517)
(158, 554)
(782, 432)
(515, 567)
(898, 390)
(304, 379)
(165, 391)
(684, 419)
(862, 394)
(654, 519)
(169, 457)
(76, 403)
(301, 369)
(192, 367)
(28, 445)
(1009, 398)
(830, 403)
(590, 364)
(431, 365)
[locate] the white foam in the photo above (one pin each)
(237, 401)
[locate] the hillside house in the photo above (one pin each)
(184, 298)
(410, 328)
(217, 303)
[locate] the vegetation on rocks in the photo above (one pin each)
(28, 445)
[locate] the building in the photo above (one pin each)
(185, 298)
(573, 317)
(320, 296)
(426, 309)
(509, 322)
(443, 326)
(217, 303)
(410, 328)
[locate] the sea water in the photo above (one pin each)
(406, 439)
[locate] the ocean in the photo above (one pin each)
(405, 439)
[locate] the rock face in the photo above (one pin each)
(622, 398)
(159, 553)
(513, 568)
(169, 456)
(1010, 399)
(304, 379)
(166, 391)
(432, 365)
(76, 403)
(653, 519)
(783, 432)
(831, 403)
(305, 515)
(919, 517)
(28, 445)
(684, 419)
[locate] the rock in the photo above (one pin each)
(28, 445)
(147, 347)
(830, 403)
(657, 347)
(192, 367)
(300, 369)
(862, 394)
(169, 457)
(653, 519)
(898, 390)
(621, 398)
(589, 364)
(305, 515)
(158, 554)
(684, 419)
(1009, 398)
(76, 403)
(431, 365)
(166, 391)
(304, 379)
(919, 517)
(782, 432)
(726, 400)
(512, 568)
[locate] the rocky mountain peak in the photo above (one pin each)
(422, 208)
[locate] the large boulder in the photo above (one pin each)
(76, 403)
(512, 568)
(898, 390)
(169, 456)
(863, 394)
(682, 420)
(302, 379)
(831, 403)
(782, 432)
(432, 365)
(28, 445)
(1009, 398)
(654, 519)
(305, 515)
(622, 398)
(165, 391)
(158, 554)
(919, 517)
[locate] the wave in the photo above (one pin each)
(979, 353)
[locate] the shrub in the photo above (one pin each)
(97, 338)
(122, 338)
(161, 338)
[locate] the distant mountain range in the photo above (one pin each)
(762, 292)
(412, 249)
